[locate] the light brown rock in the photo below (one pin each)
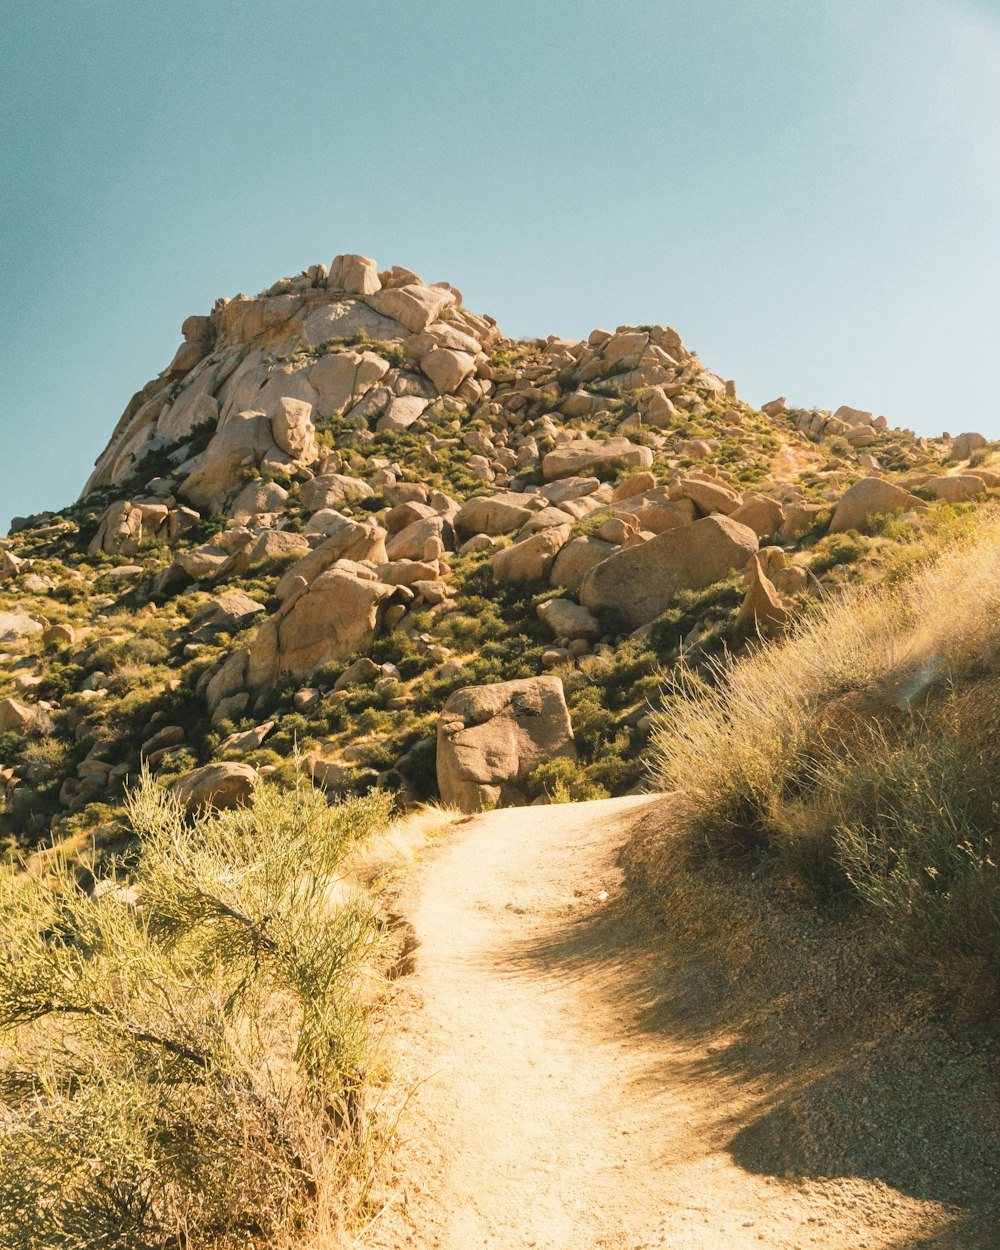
(293, 429)
(491, 514)
(869, 498)
(763, 514)
(335, 616)
(239, 445)
(594, 457)
(576, 559)
(332, 490)
(357, 275)
(641, 582)
(491, 738)
(447, 368)
(958, 488)
(708, 496)
(569, 620)
(412, 306)
(532, 559)
(762, 608)
(215, 786)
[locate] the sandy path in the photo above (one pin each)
(547, 1112)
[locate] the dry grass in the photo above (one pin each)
(185, 1059)
(860, 751)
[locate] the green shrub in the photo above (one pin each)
(183, 1059)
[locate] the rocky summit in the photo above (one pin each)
(353, 528)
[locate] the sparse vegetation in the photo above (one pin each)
(859, 755)
(183, 1049)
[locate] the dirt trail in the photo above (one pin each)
(547, 1112)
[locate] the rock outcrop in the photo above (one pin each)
(348, 497)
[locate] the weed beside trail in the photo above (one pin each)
(861, 754)
(183, 1052)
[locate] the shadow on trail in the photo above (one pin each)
(818, 1064)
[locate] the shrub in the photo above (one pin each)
(861, 752)
(183, 1059)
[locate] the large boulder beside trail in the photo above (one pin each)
(640, 582)
(491, 738)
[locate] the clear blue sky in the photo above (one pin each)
(809, 191)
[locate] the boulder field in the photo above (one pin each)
(353, 523)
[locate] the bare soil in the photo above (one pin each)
(602, 1060)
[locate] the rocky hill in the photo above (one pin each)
(353, 528)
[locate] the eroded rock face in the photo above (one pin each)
(491, 738)
(238, 446)
(641, 582)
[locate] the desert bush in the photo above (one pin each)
(183, 1057)
(861, 751)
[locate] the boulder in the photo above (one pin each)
(571, 488)
(569, 620)
(491, 738)
(343, 378)
(229, 679)
(17, 718)
(641, 582)
(351, 540)
(869, 498)
(594, 457)
(964, 445)
(257, 498)
(215, 786)
(361, 672)
(708, 496)
(239, 445)
(270, 545)
(356, 275)
(336, 615)
(761, 513)
(59, 636)
(412, 540)
(634, 484)
(491, 514)
(576, 559)
(447, 368)
(293, 429)
(401, 413)
(957, 488)
(761, 608)
(332, 490)
(800, 517)
(412, 306)
(229, 612)
(853, 416)
(656, 516)
(532, 559)
(15, 625)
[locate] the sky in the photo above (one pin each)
(809, 192)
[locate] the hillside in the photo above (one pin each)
(353, 534)
(348, 498)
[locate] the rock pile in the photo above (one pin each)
(334, 482)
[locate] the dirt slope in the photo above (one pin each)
(547, 1111)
